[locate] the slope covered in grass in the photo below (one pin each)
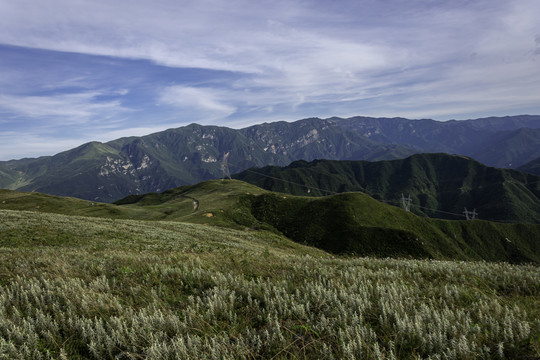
(356, 223)
(201, 203)
(352, 223)
(214, 202)
(440, 185)
(92, 288)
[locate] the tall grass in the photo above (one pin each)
(80, 288)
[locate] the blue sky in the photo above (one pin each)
(73, 71)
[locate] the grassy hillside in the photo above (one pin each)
(343, 223)
(355, 223)
(440, 185)
(75, 287)
(350, 223)
(38, 202)
(202, 203)
(214, 202)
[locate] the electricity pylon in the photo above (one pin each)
(470, 215)
(406, 201)
(225, 166)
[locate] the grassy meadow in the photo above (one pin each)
(205, 272)
(76, 287)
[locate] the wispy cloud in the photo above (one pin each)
(204, 102)
(64, 108)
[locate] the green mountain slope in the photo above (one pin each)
(356, 223)
(342, 223)
(187, 155)
(440, 185)
(211, 202)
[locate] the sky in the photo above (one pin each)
(73, 71)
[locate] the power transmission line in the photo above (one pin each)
(422, 207)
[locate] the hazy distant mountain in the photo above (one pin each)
(510, 148)
(532, 167)
(440, 185)
(187, 155)
(466, 137)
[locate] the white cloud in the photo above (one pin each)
(206, 102)
(65, 108)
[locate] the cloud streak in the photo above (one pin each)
(66, 108)
(203, 100)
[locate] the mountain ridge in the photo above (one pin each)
(193, 153)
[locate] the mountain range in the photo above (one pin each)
(187, 155)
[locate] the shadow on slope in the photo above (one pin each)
(355, 223)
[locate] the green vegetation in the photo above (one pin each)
(186, 203)
(357, 224)
(349, 223)
(210, 271)
(440, 185)
(75, 287)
